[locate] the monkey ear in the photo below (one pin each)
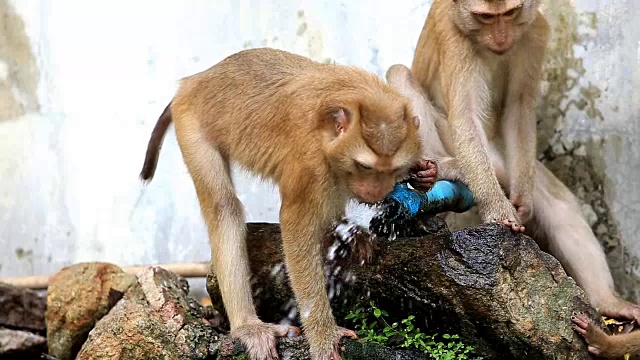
(340, 119)
(416, 119)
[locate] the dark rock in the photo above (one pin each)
(496, 289)
(297, 349)
(16, 344)
(22, 309)
(78, 296)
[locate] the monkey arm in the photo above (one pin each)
(519, 128)
(405, 82)
(470, 143)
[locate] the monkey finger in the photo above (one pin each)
(580, 319)
(422, 165)
(425, 174)
(348, 333)
(579, 330)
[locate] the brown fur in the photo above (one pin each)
(603, 345)
(481, 107)
(323, 133)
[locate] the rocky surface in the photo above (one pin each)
(495, 289)
(17, 344)
(498, 290)
(22, 309)
(78, 296)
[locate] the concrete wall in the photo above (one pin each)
(82, 84)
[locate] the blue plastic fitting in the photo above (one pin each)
(444, 196)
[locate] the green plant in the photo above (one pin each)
(371, 325)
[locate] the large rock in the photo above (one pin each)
(22, 309)
(155, 320)
(497, 290)
(78, 296)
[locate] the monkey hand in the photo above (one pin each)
(597, 340)
(423, 175)
(259, 338)
(523, 204)
(506, 215)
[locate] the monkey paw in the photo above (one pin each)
(592, 334)
(334, 352)
(423, 175)
(259, 338)
(512, 224)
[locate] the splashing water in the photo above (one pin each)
(361, 214)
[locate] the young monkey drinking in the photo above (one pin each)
(323, 133)
(474, 82)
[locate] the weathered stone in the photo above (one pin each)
(153, 320)
(22, 308)
(16, 344)
(131, 330)
(78, 296)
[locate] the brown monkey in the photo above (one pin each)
(602, 344)
(323, 133)
(474, 81)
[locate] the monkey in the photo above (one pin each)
(324, 133)
(602, 344)
(474, 82)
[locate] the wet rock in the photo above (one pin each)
(16, 344)
(496, 289)
(78, 296)
(22, 309)
(298, 349)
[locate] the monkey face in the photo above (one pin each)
(494, 25)
(374, 147)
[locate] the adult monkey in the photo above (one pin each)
(477, 69)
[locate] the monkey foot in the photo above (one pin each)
(259, 338)
(510, 224)
(621, 310)
(592, 334)
(333, 352)
(423, 175)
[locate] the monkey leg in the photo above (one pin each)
(302, 223)
(559, 226)
(223, 214)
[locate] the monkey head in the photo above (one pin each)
(372, 144)
(495, 25)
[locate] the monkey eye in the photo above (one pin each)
(513, 12)
(362, 166)
(484, 18)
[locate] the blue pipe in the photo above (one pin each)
(445, 195)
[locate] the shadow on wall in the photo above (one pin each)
(579, 164)
(18, 70)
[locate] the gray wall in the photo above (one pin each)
(82, 84)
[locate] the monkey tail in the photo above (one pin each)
(155, 144)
